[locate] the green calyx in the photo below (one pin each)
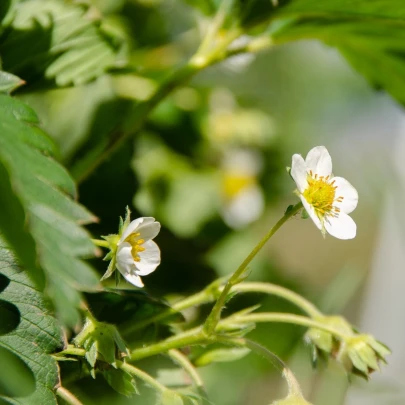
(112, 243)
(102, 342)
(358, 353)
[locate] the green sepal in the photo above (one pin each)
(121, 381)
(124, 224)
(101, 341)
(110, 269)
(91, 355)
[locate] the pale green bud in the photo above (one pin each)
(359, 354)
(101, 341)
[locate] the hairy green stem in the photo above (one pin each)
(216, 25)
(282, 292)
(214, 317)
(183, 361)
(71, 350)
(197, 336)
(207, 295)
(278, 317)
(67, 396)
(188, 338)
(136, 372)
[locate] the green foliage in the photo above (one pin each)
(369, 33)
(31, 378)
(175, 170)
(60, 41)
(41, 218)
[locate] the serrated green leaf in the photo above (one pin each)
(121, 381)
(58, 40)
(41, 217)
(369, 33)
(36, 336)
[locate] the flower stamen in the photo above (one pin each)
(320, 194)
(136, 245)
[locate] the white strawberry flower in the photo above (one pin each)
(137, 254)
(132, 251)
(327, 199)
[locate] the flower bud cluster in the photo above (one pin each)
(360, 354)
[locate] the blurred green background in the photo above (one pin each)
(210, 166)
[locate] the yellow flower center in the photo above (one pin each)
(321, 194)
(136, 244)
(234, 183)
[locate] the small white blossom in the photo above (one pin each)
(137, 255)
(327, 199)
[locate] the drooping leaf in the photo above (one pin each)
(40, 217)
(370, 34)
(28, 373)
(61, 41)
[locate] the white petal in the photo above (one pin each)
(349, 194)
(341, 227)
(311, 212)
(150, 259)
(132, 227)
(245, 207)
(125, 261)
(134, 279)
(319, 161)
(299, 172)
(149, 231)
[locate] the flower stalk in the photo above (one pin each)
(67, 396)
(237, 276)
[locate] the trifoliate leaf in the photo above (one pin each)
(27, 368)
